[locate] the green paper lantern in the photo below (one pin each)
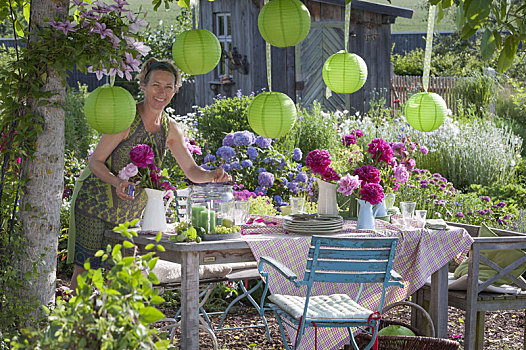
(271, 114)
(344, 72)
(425, 111)
(110, 109)
(196, 51)
(284, 23)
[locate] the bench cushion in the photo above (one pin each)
(502, 257)
(169, 272)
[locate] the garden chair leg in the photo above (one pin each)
(479, 335)
(470, 330)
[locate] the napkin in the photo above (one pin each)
(436, 224)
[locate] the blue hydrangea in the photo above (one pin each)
(260, 189)
(267, 160)
(210, 158)
(247, 163)
(302, 177)
(296, 154)
(236, 165)
(252, 153)
(299, 167)
(266, 179)
(283, 162)
(263, 142)
(226, 153)
(226, 167)
(293, 187)
(261, 170)
(229, 140)
(278, 200)
(206, 166)
(244, 138)
(284, 180)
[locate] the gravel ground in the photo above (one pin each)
(504, 330)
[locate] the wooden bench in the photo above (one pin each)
(476, 302)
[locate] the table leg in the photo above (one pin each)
(438, 302)
(190, 301)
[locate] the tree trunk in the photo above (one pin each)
(41, 201)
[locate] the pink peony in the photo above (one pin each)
(318, 161)
(368, 174)
(372, 193)
(380, 150)
(401, 174)
(348, 140)
(141, 155)
(348, 184)
(330, 175)
(410, 164)
(128, 171)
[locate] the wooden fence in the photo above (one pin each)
(402, 87)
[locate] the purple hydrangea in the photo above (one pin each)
(278, 200)
(226, 153)
(229, 140)
(210, 158)
(244, 138)
(252, 153)
(262, 170)
(206, 166)
(236, 165)
(297, 154)
(260, 190)
(293, 187)
(267, 160)
(263, 142)
(247, 163)
(266, 179)
(301, 177)
(226, 167)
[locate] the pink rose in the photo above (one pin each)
(142, 155)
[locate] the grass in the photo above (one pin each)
(416, 24)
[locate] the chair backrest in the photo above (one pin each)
(180, 202)
(350, 260)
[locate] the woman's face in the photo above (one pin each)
(160, 89)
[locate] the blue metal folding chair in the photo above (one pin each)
(334, 260)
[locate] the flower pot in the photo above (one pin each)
(365, 216)
(327, 203)
(154, 216)
(380, 209)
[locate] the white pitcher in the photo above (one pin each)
(154, 216)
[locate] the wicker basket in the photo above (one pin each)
(407, 343)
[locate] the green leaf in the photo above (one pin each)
(18, 28)
(184, 3)
(128, 244)
(158, 237)
(149, 246)
(488, 44)
(151, 263)
(99, 253)
(153, 278)
(27, 11)
(347, 2)
(150, 314)
(507, 55)
(97, 279)
(191, 233)
(160, 248)
(467, 31)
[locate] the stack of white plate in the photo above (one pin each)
(313, 223)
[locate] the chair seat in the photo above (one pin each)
(333, 307)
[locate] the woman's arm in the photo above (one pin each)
(192, 171)
(105, 147)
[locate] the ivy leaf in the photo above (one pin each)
(488, 44)
(150, 314)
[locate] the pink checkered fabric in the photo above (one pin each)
(419, 253)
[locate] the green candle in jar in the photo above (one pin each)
(196, 216)
(208, 220)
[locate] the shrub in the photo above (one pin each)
(110, 311)
(477, 90)
(223, 116)
(475, 151)
(80, 136)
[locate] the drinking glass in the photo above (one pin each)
(297, 204)
(241, 212)
(420, 216)
(407, 209)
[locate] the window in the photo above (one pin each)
(223, 32)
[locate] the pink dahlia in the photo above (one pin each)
(372, 193)
(368, 174)
(348, 184)
(380, 150)
(318, 161)
(142, 155)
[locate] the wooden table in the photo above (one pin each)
(191, 255)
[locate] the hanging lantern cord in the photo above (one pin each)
(347, 25)
(269, 63)
(429, 47)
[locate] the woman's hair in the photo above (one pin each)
(153, 64)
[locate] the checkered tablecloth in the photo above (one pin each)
(419, 253)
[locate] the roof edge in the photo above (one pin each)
(390, 10)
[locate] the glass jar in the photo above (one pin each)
(204, 204)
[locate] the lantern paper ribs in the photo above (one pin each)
(272, 114)
(425, 111)
(344, 72)
(284, 23)
(196, 51)
(110, 109)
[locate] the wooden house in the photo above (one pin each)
(297, 71)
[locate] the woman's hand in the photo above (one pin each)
(122, 190)
(219, 175)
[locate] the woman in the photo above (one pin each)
(100, 200)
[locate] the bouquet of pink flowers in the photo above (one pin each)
(143, 171)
